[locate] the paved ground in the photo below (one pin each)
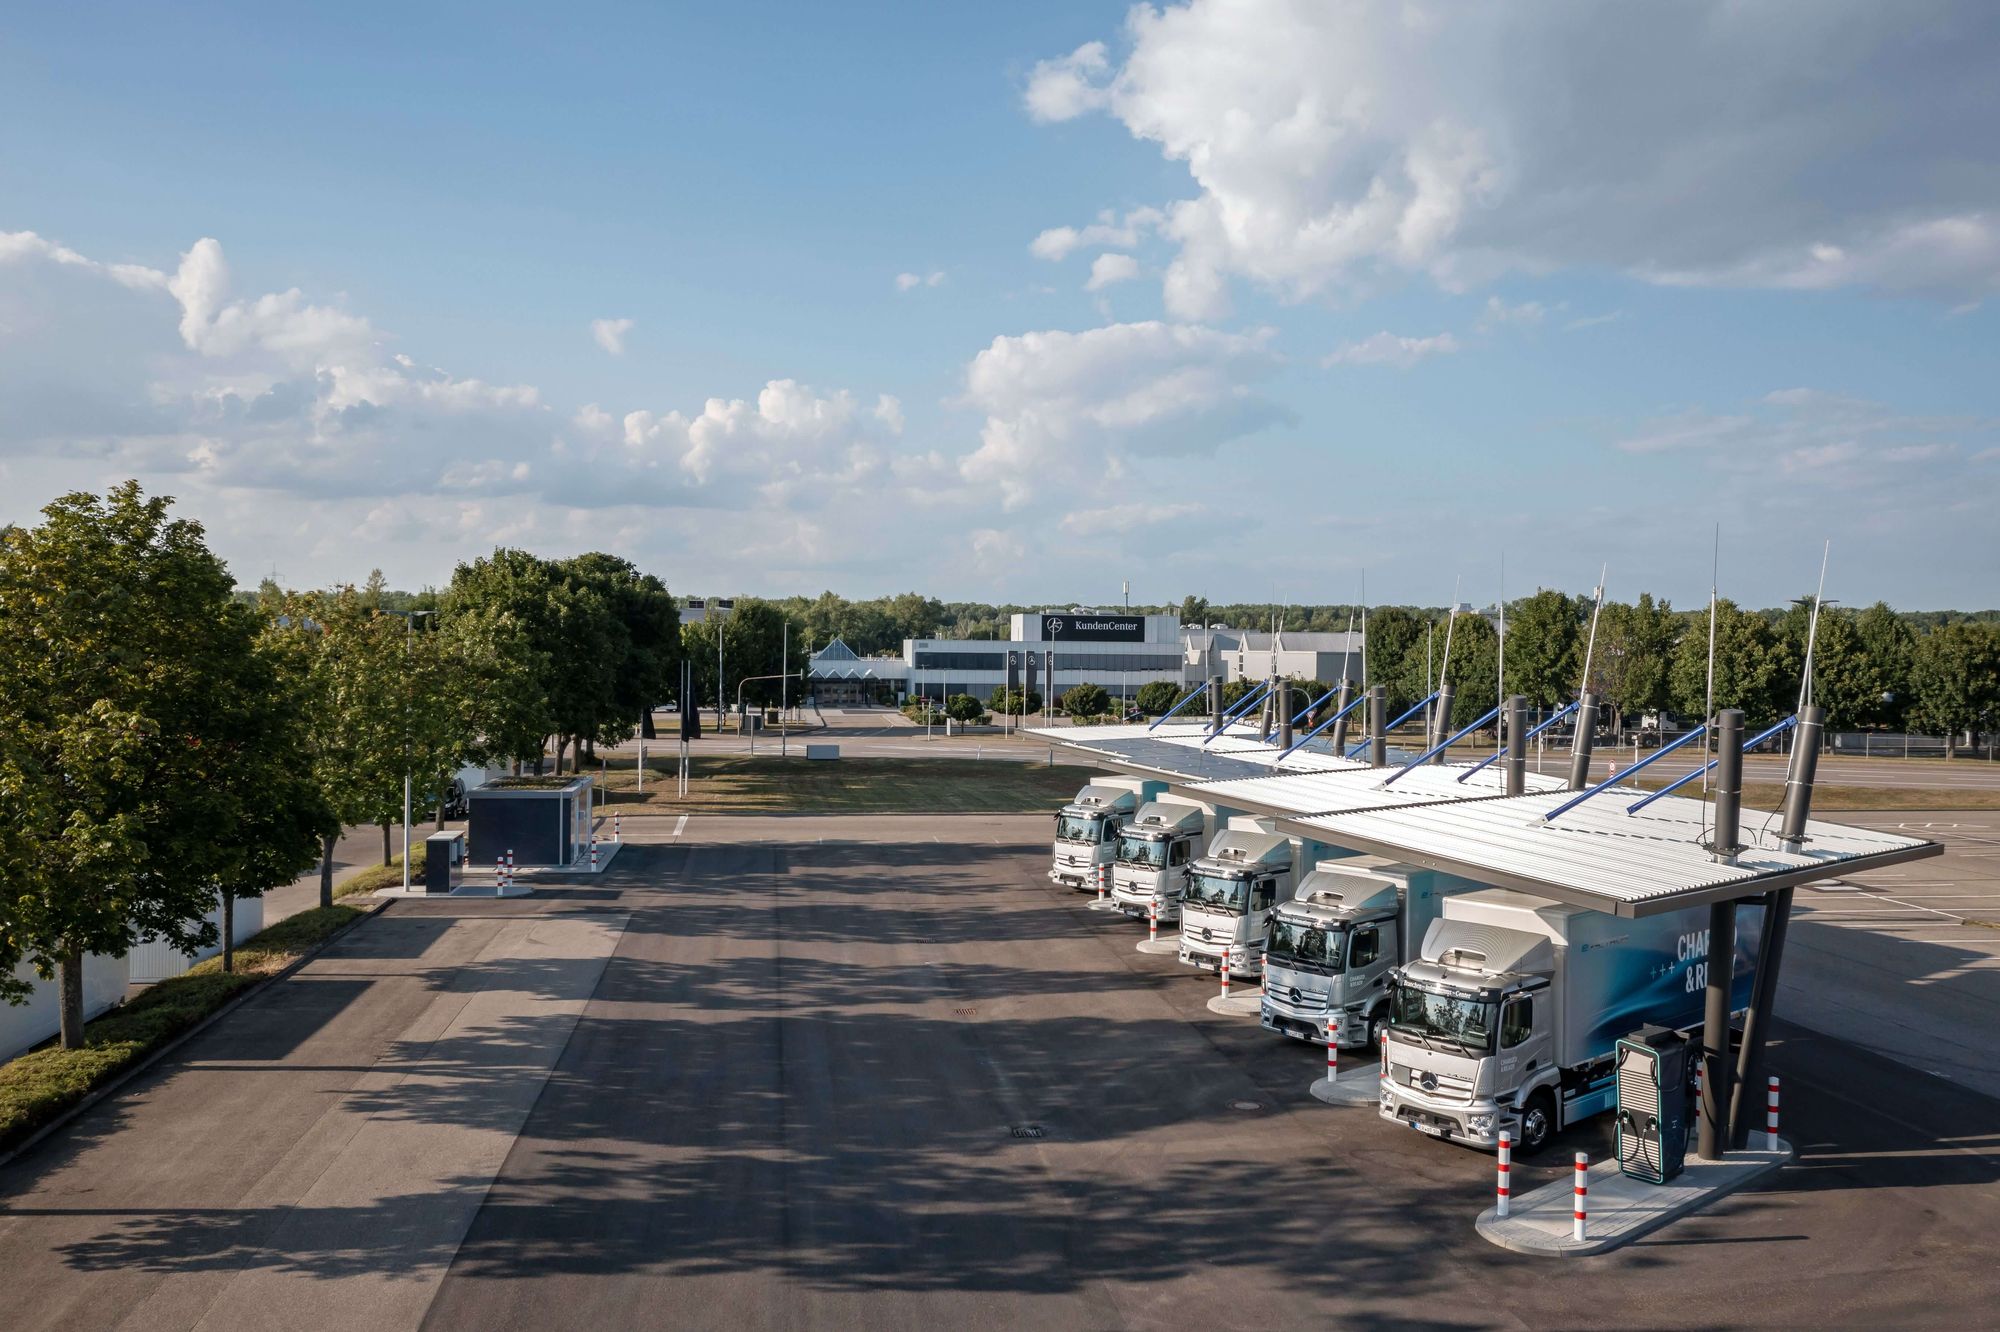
(1906, 961)
(790, 1101)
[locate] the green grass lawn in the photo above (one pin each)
(41, 1084)
(768, 784)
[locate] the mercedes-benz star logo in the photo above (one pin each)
(1055, 624)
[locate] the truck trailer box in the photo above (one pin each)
(1612, 974)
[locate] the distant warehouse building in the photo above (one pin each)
(1119, 650)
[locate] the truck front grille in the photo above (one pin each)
(1443, 1087)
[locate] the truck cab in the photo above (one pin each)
(1510, 1016)
(1155, 852)
(1226, 908)
(1087, 828)
(1329, 951)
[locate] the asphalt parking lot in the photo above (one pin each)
(878, 1072)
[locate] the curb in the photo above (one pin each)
(105, 1092)
(1562, 1246)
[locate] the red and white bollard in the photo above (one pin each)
(1103, 879)
(593, 853)
(1582, 1194)
(1383, 1041)
(616, 835)
(1332, 1050)
(508, 869)
(1153, 921)
(1504, 1165)
(1771, 1117)
(1225, 974)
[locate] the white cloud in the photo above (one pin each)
(1068, 407)
(1386, 348)
(1109, 268)
(1058, 243)
(1123, 519)
(1827, 440)
(1331, 145)
(1528, 314)
(172, 375)
(911, 281)
(610, 334)
(1068, 86)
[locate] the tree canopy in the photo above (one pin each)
(146, 737)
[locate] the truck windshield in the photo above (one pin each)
(1078, 828)
(1142, 850)
(1218, 892)
(1304, 945)
(1441, 1017)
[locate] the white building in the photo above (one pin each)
(1120, 650)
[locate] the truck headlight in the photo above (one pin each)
(1479, 1123)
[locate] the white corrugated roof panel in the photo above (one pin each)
(1597, 855)
(1187, 752)
(1356, 786)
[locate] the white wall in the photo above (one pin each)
(155, 960)
(104, 981)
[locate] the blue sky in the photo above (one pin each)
(1400, 287)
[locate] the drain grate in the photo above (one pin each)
(1030, 1131)
(964, 1012)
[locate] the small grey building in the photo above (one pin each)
(542, 820)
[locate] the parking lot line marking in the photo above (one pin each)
(680, 824)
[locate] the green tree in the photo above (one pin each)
(1391, 632)
(1545, 646)
(1156, 696)
(1755, 670)
(1635, 646)
(964, 708)
(1887, 648)
(1016, 702)
(642, 634)
(1955, 674)
(1085, 700)
(1473, 670)
(350, 670)
(141, 722)
(1843, 682)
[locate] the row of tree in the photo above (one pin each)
(168, 746)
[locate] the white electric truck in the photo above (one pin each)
(1510, 1016)
(1087, 827)
(1329, 951)
(1226, 908)
(1155, 850)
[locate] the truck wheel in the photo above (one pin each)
(1538, 1121)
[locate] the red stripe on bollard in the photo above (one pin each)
(1582, 1194)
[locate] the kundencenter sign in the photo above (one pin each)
(1094, 628)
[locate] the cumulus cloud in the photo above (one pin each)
(610, 334)
(911, 281)
(1386, 348)
(1794, 145)
(147, 371)
(1109, 268)
(1067, 407)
